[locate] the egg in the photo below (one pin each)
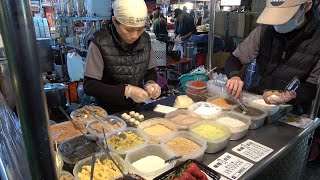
(124, 115)
(132, 120)
(132, 113)
(141, 117)
(136, 115)
(137, 123)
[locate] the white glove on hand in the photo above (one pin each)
(137, 94)
(282, 98)
(153, 89)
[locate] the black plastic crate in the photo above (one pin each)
(205, 169)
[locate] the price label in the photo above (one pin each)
(252, 150)
(230, 166)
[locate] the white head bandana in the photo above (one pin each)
(132, 13)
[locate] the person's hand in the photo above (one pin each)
(137, 94)
(153, 89)
(183, 38)
(283, 97)
(234, 86)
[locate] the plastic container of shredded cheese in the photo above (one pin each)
(237, 132)
(101, 156)
(214, 144)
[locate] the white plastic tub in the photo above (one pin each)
(183, 125)
(100, 135)
(125, 151)
(214, 145)
(236, 132)
(197, 155)
(101, 156)
(208, 110)
(256, 121)
(149, 150)
(156, 139)
(234, 104)
(258, 102)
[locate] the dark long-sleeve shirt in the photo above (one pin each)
(109, 94)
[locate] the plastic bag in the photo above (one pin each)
(13, 156)
(217, 86)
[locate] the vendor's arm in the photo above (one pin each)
(93, 86)
(192, 29)
(244, 54)
(307, 91)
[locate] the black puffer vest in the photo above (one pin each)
(123, 64)
(281, 59)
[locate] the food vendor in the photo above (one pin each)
(285, 45)
(120, 70)
(184, 25)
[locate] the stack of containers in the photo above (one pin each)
(194, 88)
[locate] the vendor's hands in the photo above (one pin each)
(234, 86)
(284, 97)
(153, 89)
(137, 94)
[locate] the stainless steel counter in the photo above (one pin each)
(281, 137)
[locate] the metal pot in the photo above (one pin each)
(190, 51)
(55, 94)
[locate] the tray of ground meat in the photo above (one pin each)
(183, 118)
(96, 127)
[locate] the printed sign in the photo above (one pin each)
(230, 166)
(252, 150)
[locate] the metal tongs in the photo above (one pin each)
(172, 159)
(97, 116)
(242, 106)
(111, 121)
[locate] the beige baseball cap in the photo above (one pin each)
(279, 12)
(132, 13)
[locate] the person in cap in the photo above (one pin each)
(285, 45)
(184, 25)
(120, 70)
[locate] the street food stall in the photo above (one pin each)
(200, 132)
